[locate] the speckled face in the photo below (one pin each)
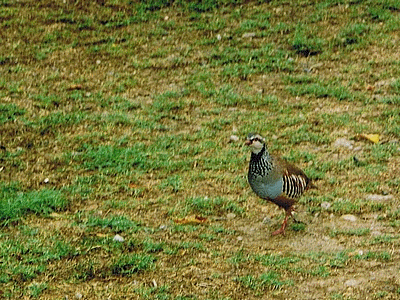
(255, 142)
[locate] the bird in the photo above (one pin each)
(274, 179)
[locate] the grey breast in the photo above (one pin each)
(267, 187)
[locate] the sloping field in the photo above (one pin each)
(122, 158)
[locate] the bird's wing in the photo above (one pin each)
(295, 182)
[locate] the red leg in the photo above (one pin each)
(288, 213)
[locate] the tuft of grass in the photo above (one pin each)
(14, 203)
(351, 232)
(150, 246)
(36, 289)
(378, 14)
(173, 182)
(115, 223)
(130, 264)
(353, 34)
(306, 43)
(47, 101)
(210, 206)
(380, 256)
(199, 6)
(159, 292)
(276, 260)
(244, 62)
(52, 123)
(269, 280)
(321, 89)
(10, 112)
(169, 101)
(340, 260)
(113, 160)
(298, 226)
(239, 258)
(186, 246)
(27, 256)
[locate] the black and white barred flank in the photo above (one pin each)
(294, 185)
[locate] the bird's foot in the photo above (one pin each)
(284, 224)
(279, 231)
(282, 229)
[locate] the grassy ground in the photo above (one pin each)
(116, 118)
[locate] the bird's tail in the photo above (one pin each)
(311, 185)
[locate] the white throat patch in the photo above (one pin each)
(256, 147)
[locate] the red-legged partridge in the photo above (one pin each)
(274, 179)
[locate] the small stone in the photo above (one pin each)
(231, 216)
(350, 218)
(352, 282)
(162, 227)
(376, 233)
(267, 220)
(385, 82)
(78, 296)
(233, 138)
(118, 238)
(343, 143)
(379, 198)
(248, 35)
(326, 205)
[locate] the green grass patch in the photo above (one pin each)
(306, 43)
(351, 232)
(112, 160)
(36, 289)
(269, 280)
(130, 264)
(159, 292)
(353, 34)
(15, 203)
(10, 112)
(114, 223)
(373, 255)
(244, 62)
(320, 89)
(211, 206)
(26, 256)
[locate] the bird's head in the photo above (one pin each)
(255, 142)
